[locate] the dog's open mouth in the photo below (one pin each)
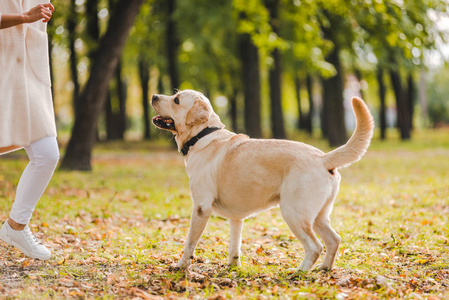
(164, 123)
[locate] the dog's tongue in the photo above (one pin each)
(166, 120)
(164, 123)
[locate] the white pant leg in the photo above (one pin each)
(44, 156)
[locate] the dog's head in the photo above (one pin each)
(185, 114)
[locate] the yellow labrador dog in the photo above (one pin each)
(236, 176)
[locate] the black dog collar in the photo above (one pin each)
(196, 138)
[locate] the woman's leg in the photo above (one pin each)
(44, 156)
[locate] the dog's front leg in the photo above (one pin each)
(236, 241)
(198, 222)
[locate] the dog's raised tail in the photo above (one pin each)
(356, 147)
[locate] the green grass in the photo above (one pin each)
(115, 231)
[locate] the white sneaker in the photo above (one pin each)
(25, 241)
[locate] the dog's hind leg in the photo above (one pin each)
(198, 222)
(236, 241)
(331, 239)
(300, 223)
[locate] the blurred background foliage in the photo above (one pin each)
(270, 67)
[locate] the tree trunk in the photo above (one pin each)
(144, 75)
(383, 109)
(277, 118)
(121, 97)
(109, 116)
(333, 109)
(116, 102)
(358, 75)
(233, 110)
(71, 28)
(78, 153)
(401, 105)
(309, 84)
(302, 117)
(249, 56)
(92, 27)
(411, 95)
(172, 46)
(115, 108)
(160, 84)
(323, 112)
(92, 36)
(300, 123)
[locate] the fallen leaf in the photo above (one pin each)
(62, 261)
(25, 263)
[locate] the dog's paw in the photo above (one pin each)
(323, 268)
(235, 262)
(295, 273)
(177, 268)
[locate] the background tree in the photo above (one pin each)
(115, 106)
(277, 116)
(72, 21)
(333, 111)
(78, 153)
(172, 45)
(254, 29)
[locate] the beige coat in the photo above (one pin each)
(26, 106)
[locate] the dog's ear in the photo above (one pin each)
(199, 113)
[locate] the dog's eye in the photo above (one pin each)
(176, 100)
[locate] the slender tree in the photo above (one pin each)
(304, 119)
(403, 114)
(301, 115)
(92, 27)
(144, 76)
(249, 56)
(172, 45)
(383, 108)
(71, 28)
(333, 110)
(115, 108)
(411, 95)
(309, 84)
(277, 118)
(233, 110)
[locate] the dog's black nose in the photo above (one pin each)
(155, 98)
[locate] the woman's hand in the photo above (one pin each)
(42, 11)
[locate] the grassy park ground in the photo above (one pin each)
(115, 231)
